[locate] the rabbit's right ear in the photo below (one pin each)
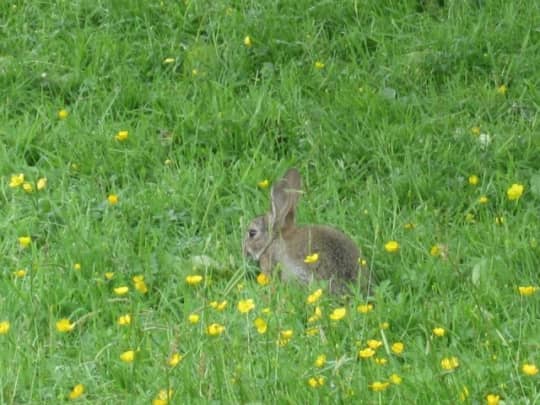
(285, 194)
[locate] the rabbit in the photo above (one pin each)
(275, 239)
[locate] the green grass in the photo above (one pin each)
(383, 136)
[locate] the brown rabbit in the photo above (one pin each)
(274, 238)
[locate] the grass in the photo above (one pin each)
(409, 99)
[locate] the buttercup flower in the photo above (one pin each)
(124, 320)
(219, 306)
(492, 399)
(391, 246)
(24, 241)
(194, 318)
(397, 348)
(263, 184)
(16, 180)
(194, 279)
(502, 89)
(476, 130)
(247, 41)
(316, 315)
(381, 361)
(449, 363)
(64, 325)
(261, 325)
(128, 356)
(529, 369)
(409, 226)
(316, 382)
(313, 258)
(379, 386)
(168, 61)
(263, 279)
(63, 114)
(320, 361)
(384, 325)
(483, 199)
(108, 275)
(314, 296)
(526, 291)
(76, 392)
(112, 199)
(245, 306)
(41, 183)
(140, 285)
(395, 379)
(366, 353)
(215, 329)
(473, 180)
(4, 327)
(515, 191)
(27, 187)
(175, 359)
(374, 344)
(121, 136)
(439, 331)
(20, 273)
(319, 65)
(435, 250)
(77, 266)
(163, 397)
(338, 314)
(364, 308)
(122, 290)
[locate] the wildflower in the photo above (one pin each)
(64, 325)
(473, 180)
(314, 296)
(395, 379)
(469, 218)
(194, 279)
(27, 187)
(439, 331)
(379, 386)
(499, 220)
(112, 199)
(316, 382)
(529, 369)
(384, 325)
(140, 285)
(260, 325)
(320, 361)
(319, 65)
(397, 347)
(374, 344)
(263, 279)
(449, 363)
(526, 291)
(409, 225)
(502, 89)
(362, 262)
(391, 246)
(381, 361)
(316, 316)
(475, 130)
(175, 359)
(108, 275)
(4, 327)
(76, 392)
(194, 318)
(364, 308)
(435, 251)
(168, 61)
(312, 331)
(247, 41)
(194, 72)
(124, 320)
(286, 334)
(122, 290)
(464, 394)
(24, 241)
(128, 356)
(263, 184)
(313, 258)
(16, 180)
(215, 329)
(366, 353)
(20, 273)
(338, 314)
(245, 306)
(483, 199)
(121, 136)
(77, 266)
(63, 114)
(492, 399)
(515, 191)
(163, 397)
(266, 310)
(218, 306)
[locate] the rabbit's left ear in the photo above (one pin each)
(285, 194)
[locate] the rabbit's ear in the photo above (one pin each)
(285, 194)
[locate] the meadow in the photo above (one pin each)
(139, 138)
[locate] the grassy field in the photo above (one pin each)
(135, 140)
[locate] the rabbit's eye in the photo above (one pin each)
(252, 233)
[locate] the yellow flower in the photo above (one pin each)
(194, 279)
(16, 180)
(374, 344)
(438, 331)
(64, 325)
(218, 306)
(527, 290)
(483, 199)
(395, 379)
(492, 399)
(263, 184)
(381, 361)
(286, 334)
(76, 392)
(247, 41)
(364, 308)
(122, 290)
(473, 180)
(24, 241)
(313, 258)
(409, 226)
(163, 397)
(362, 262)
(391, 246)
(175, 359)
(314, 296)
(121, 136)
(245, 306)
(515, 191)
(529, 369)
(27, 187)
(124, 320)
(338, 314)
(215, 329)
(140, 285)
(366, 353)
(194, 72)
(435, 250)
(112, 199)
(316, 315)
(312, 331)
(109, 275)
(263, 279)
(379, 386)
(77, 266)
(261, 325)
(384, 325)
(63, 114)
(499, 220)
(464, 394)
(194, 318)
(20, 273)
(4, 327)
(128, 356)
(449, 363)
(266, 310)
(320, 361)
(476, 130)
(397, 347)
(168, 61)
(502, 89)
(316, 382)
(319, 65)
